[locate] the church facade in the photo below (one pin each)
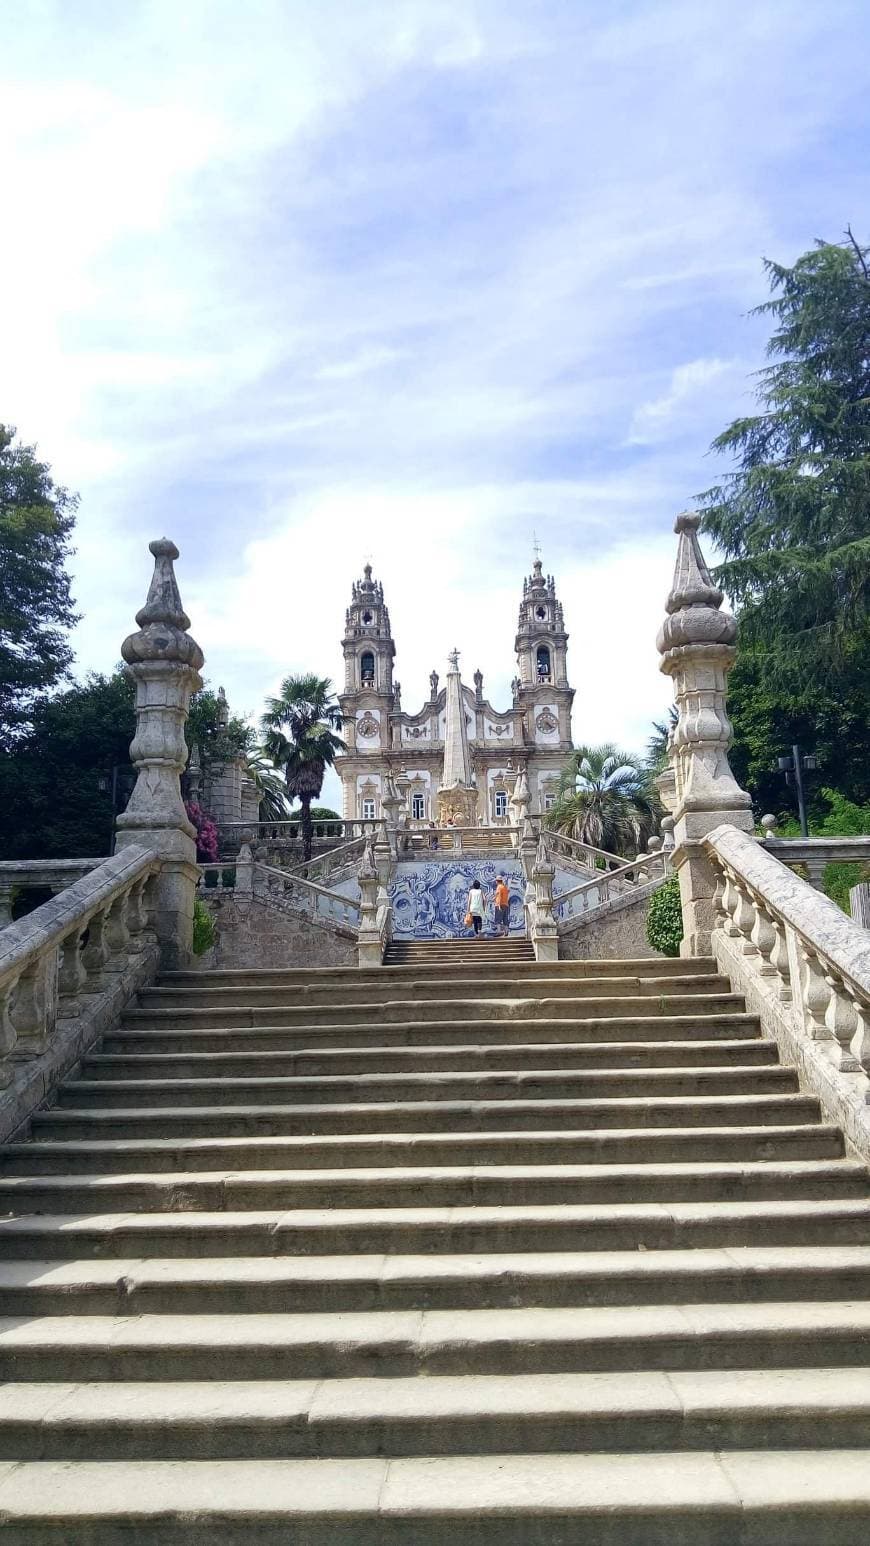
(421, 751)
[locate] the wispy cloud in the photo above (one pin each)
(296, 282)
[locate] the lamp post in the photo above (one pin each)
(794, 766)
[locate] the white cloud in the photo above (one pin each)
(654, 420)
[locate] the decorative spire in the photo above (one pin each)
(453, 658)
(694, 601)
(457, 773)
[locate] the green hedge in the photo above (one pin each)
(664, 919)
(203, 928)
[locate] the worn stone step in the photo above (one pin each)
(751, 1051)
(459, 986)
(499, 1085)
(269, 1285)
(394, 1343)
(429, 1006)
(442, 1415)
(129, 1121)
(347, 1231)
(98, 1155)
(134, 1036)
(433, 968)
(439, 1186)
(684, 1498)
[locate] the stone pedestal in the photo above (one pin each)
(165, 663)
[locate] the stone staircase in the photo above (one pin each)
(468, 1249)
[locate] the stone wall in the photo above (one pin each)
(619, 931)
(253, 933)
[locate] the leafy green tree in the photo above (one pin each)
(299, 730)
(36, 610)
(605, 799)
(269, 785)
(56, 783)
(792, 520)
(220, 735)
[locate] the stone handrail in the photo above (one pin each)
(804, 966)
(287, 828)
(76, 944)
(323, 865)
(455, 839)
(646, 870)
(814, 853)
(287, 890)
(584, 853)
(18, 875)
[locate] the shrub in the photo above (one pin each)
(664, 919)
(203, 928)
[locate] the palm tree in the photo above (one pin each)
(269, 785)
(605, 799)
(298, 729)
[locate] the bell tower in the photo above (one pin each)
(541, 688)
(369, 696)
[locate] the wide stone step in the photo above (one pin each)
(130, 1120)
(498, 1032)
(99, 1156)
(528, 1084)
(733, 1498)
(348, 1231)
(749, 1051)
(441, 1186)
(413, 987)
(396, 1343)
(432, 968)
(429, 1006)
(269, 1285)
(445, 1415)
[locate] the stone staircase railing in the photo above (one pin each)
(285, 889)
(814, 853)
(805, 969)
(67, 970)
(635, 879)
(440, 840)
(322, 867)
(17, 875)
(284, 834)
(584, 854)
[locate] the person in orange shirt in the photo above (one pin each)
(502, 904)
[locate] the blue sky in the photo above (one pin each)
(297, 283)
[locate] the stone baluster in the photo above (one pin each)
(744, 920)
(696, 644)
(860, 1047)
(815, 993)
(34, 1010)
(73, 975)
(859, 903)
(763, 937)
(96, 953)
(245, 871)
(165, 663)
(118, 934)
(7, 894)
(779, 960)
(842, 1021)
(8, 1033)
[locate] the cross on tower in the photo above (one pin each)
(453, 658)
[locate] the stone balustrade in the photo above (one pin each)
(21, 875)
(814, 853)
(804, 968)
(321, 867)
(633, 879)
(286, 831)
(582, 853)
(284, 889)
(67, 969)
(449, 839)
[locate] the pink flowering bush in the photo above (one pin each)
(206, 833)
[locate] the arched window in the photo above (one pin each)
(367, 669)
(543, 663)
(501, 803)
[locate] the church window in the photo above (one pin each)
(368, 810)
(500, 804)
(549, 800)
(541, 612)
(367, 669)
(543, 663)
(418, 806)
(367, 617)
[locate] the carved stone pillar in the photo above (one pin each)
(544, 935)
(165, 663)
(696, 643)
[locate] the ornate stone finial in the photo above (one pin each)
(165, 662)
(696, 643)
(453, 658)
(769, 825)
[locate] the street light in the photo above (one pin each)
(794, 766)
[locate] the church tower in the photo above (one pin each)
(369, 695)
(541, 689)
